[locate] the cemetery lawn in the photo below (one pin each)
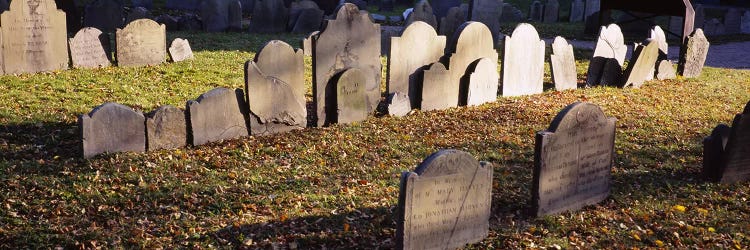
(338, 186)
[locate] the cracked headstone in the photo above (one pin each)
(417, 47)
(180, 50)
(605, 67)
(523, 62)
(166, 128)
(89, 48)
(142, 42)
(217, 115)
(563, 65)
(696, 50)
(34, 39)
(642, 63)
(111, 128)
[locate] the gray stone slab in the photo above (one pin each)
(142, 42)
(180, 50)
(35, 39)
(111, 128)
(235, 15)
(576, 11)
(657, 35)
(445, 203)
(275, 89)
(437, 88)
(269, 16)
(450, 22)
(351, 99)
(726, 154)
(215, 15)
(605, 68)
(309, 20)
(563, 65)
(642, 64)
(105, 15)
(216, 115)
(551, 11)
(523, 62)
(166, 128)
(473, 41)
(334, 53)
(418, 46)
(422, 12)
(89, 48)
(398, 104)
(137, 13)
(483, 82)
(696, 50)
(573, 160)
(665, 70)
(745, 25)
(488, 12)
(733, 21)
(536, 11)
(307, 47)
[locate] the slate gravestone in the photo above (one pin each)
(35, 37)
(416, 48)
(269, 16)
(576, 11)
(511, 14)
(422, 12)
(536, 13)
(275, 89)
(445, 203)
(591, 10)
(450, 22)
(573, 160)
(137, 13)
(551, 11)
(733, 21)
(605, 67)
(333, 53)
(726, 155)
(437, 88)
(714, 27)
(111, 128)
(696, 50)
(215, 14)
(441, 7)
(148, 4)
(483, 82)
(488, 12)
(142, 42)
(398, 104)
(183, 4)
(307, 47)
(309, 20)
(235, 15)
(665, 70)
(642, 63)
(563, 65)
(166, 128)
(105, 15)
(89, 48)
(745, 26)
(218, 114)
(351, 101)
(523, 62)
(657, 35)
(180, 50)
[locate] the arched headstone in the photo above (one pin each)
(218, 114)
(111, 128)
(142, 42)
(422, 12)
(605, 68)
(34, 37)
(351, 101)
(488, 12)
(89, 48)
(437, 88)
(417, 47)
(483, 82)
(563, 65)
(472, 41)
(523, 62)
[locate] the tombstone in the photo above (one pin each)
(483, 82)
(714, 27)
(142, 42)
(551, 11)
(215, 14)
(89, 48)
(591, 10)
(511, 14)
(573, 160)
(183, 4)
(445, 203)
(296, 9)
(488, 12)
(536, 11)
(398, 104)
(523, 62)
(269, 16)
(745, 26)
(696, 50)
(275, 89)
(563, 65)
(657, 34)
(436, 87)
(450, 22)
(733, 21)
(422, 12)
(665, 70)
(309, 20)
(137, 13)
(166, 128)
(386, 33)
(180, 50)
(351, 99)
(35, 37)
(417, 47)
(726, 155)
(148, 4)
(105, 15)
(218, 114)
(642, 63)
(576, 11)
(605, 68)
(111, 128)
(333, 54)
(235, 15)
(307, 47)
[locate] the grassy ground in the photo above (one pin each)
(337, 187)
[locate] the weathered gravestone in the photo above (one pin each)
(351, 100)
(745, 26)
(141, 42)
(269, 16)
(726, 153)
(215, 15)
(437, 88)
(576, 11)
(349, 41)
(563, 65)
(551, 11)
(105, 15)
(657, 35)
(416, 48)
(166, 128)
(488, 12)
(523, 62)
(216, 115)
(137, 13)
(309, 20)
(148, 4)
(183, 4)
(307, 47)
(536, 11)
(34, 37)
(642, 63)
(111, 128)
(591, 10)
(573, 160)
(445, 203)
(483, 82)
(733, 21)
(696, 50)
(89, 48)
(422, 12)
(386, 33)
(665, 70)
(180, 50)
(605, 67)
(450, 23)
(398, 104)
(275, 89)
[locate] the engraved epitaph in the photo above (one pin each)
(35, 37)
(89, 48)
(696, 50)
(141, 42)
(642, 63)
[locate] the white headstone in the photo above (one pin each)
(605, 67)
(563, 65)
(523, 62)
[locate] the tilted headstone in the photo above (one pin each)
(523, 62)
(483, 82)
(215, 15)
(422, 12)
(665, 70)
(398, 104)
(309, 20)
(235, 15)
(563, 65)
(34, 37)
(657, 34)
(445, 203)
(111, 128)
(334, 53)
(726, 154)
(416, 48)
(148, 4)
(307, 47)
(89, 48)
(142, 42)
(511, 14)
(591, 9)
(351, 100)
(573, 160)
(275, 89)
(696, 50)
(437, 87)
(745, 26)
(551, 11)
(137, 13)
(642, 63)
(269, 16)
(605, 68)
(450, 22)
(166, 128)
(536, 11)
(105, 15)
(180, 50)
(576, 11)
(183, 4)
(733, 21)
(218, 114)
(488, 12)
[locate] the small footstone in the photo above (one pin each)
(665, 70)
(180, 50)
(166, 128)
(398, 104)
(217, 115)
(111, 128)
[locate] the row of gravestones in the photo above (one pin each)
(735, 21)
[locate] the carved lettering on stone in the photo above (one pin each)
(89, 48)
(351, 105)
(142, 42)
(696, 50)
(35, 37)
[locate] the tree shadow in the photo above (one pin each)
(40, 148)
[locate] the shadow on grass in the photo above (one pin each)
(39, 148)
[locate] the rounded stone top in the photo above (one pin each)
(419, 29)
(471, 36)
(525, 32)
(447, 162)
(576, 115)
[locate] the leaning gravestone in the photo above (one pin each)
(450, 23)
(573, 160)
(35, 39)
(726, 154)
(416, 48)
(605, 67)
(437, 88)
(309, 20)
(483, 79)
(536, 11)
(551, 11)
(445, 203)
(105, 15)
(422, 12)
(745, 27)
(217, 115)
(563, 65)
(166, 128)
(180, 50)
(351, 101)
(576, 11)
(657, 35)
(523, 62)
(89, 48)
(334, 53)
(696, 50)
(733, 21)
(275, 89)
(215, 15)
(488, 12)
(269, 16)
(111, 128)
(142, 42)
(642, 64)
